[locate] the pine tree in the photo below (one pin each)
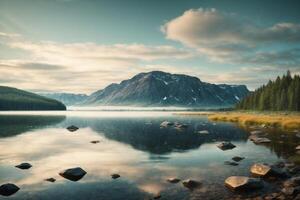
(281, 94)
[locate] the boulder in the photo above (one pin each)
(226, 146)
(115, 176)
(231, 163)
(73, 174)
(237, 158)
(72, 128)
(190, 184)
(166, 124)
(24, 166)
(173, 180)
(262, 170)
(243, 183)
(8, 189)
(297, 147)
(95, 141)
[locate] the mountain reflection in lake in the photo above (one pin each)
(132, 144)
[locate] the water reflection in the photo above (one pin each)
(144, 154)
(11, 125)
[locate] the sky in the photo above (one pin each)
(81, 46)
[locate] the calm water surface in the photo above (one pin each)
(131, 144)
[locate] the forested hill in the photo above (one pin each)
(15, 99)
(278, 95)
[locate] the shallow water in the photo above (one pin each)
(131, 144)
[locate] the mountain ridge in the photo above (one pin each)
(159, 88)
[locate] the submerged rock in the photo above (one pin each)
(237, 158)
(8, 189)
(115, 176)
(52, 180)
(231, 163)
(73, 174)
(24, 166)
(226, 146)
(190, 184)
(166, 124)
(72, 128)
(95, 141)
(243, 183)
(173, 180)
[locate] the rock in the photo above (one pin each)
(190, 184)
(173, 180)
(291, 191)
(294, 170)
(52, 180)
(243, 183)
(262, 170)
(158, 196)
(72, 128)
(288, 191)
(166, 124)
(298, 135)
(260, 140)
(231, 163)
(8, 189)
(115, 176)
(203, 132)
(24, 166)
(237, 158)
(73, 174)
(294, 181)
(95, 141)
(181, 126)
(289, 165)
(297, 147)
(226, 146)
(257, 132)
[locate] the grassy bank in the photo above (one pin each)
(288, 121)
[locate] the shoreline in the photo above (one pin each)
(285, 120)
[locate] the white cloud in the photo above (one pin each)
(228, 38)
(211, 27)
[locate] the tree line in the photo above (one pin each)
(283, 94)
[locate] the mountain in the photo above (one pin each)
(281, 94)
(15, 99)
(68, 99)
(164, 89)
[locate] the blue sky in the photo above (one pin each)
(83, 45)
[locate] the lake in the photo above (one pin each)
(133, 145)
